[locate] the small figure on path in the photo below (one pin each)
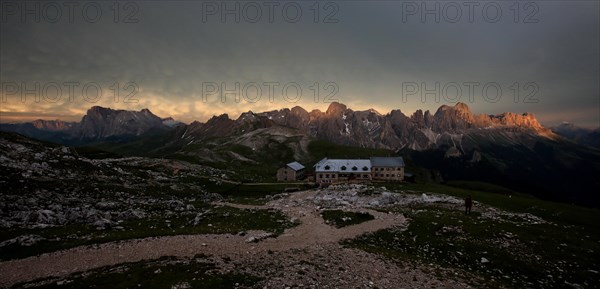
(468, 204)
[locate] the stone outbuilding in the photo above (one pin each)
(293, 171)
(388, 168)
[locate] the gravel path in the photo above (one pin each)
(311, 238)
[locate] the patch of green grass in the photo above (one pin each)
(560, 213)
(162, 273)
(517, 254)
(481, 186)
(339, 218)
(221, 220)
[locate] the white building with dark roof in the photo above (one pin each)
(291, 172)
(376, 168)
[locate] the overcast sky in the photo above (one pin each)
(373, 54)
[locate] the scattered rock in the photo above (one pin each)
(176, 205)
(103, 224)
(132, 214)
(182, 285)
(259, 237)
(106, 205)
(23, 240)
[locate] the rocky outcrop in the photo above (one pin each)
(452, 152)
(395, 130)
(100, 122)
(53, 125)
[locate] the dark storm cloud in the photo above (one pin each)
(369, 53)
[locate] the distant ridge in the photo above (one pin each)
(338, 124)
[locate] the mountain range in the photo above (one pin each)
(580, 135)
(510, 149)
(450, 125)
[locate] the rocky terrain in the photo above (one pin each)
(376, 253)
(46, 187)
(312, 244)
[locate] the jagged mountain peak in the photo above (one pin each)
(520, 120)
(336, 108)
(459, 108)
(298, 110)
(453, 118)
(102, 122)
(98, 108)
(220, 117)
(247, 114)
(374, 111)
(99, 111)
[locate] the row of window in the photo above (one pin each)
(387, 169)
(328, 176)
(343, 168)
(386, 175)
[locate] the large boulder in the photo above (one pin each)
(132, 214)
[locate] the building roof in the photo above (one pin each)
(296, 166)
(343, 166)
(387, 162)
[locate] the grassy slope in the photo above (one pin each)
(521, 252)
(516, 202)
